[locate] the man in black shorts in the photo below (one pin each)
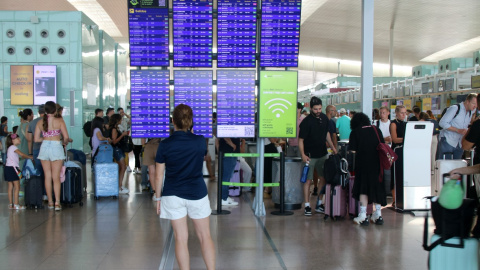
(311, 142)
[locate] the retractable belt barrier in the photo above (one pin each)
(281, 184)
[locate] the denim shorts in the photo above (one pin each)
(51, 150)
(118, 153)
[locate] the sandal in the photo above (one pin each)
(10, 206)
(51, 206)
(19, 207)
(58, 207)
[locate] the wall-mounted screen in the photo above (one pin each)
(192, 33)
(440, 85)
(33, 85)
(150, 103)
(236, 103)
(449, 84)
(236, 33)
(194, 88)
(427, 87)
(475, 82)
(280, 33)
(148, 33)
(44, 84)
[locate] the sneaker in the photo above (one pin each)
(378, 220)
(229, 203)
(362, 221)
(308, 211)
(19, 207)
(154, 198)
(123, 191)
(128, 169)
(315, 191)
(320, 209)
(45, 198)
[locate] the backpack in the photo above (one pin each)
(104, 154)
(335, 170)
(87, 128)
(445, 110)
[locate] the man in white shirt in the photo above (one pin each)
(384, 124)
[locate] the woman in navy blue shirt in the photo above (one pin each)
(181, 158)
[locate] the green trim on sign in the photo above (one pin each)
(240, 184)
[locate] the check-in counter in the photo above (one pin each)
(293, 186)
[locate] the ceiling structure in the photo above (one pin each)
(331, 29)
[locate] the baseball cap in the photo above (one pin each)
(342, 110)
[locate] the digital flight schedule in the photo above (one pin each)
(236, 103)
(192, 33)
(150, 102)
(236, 33)
(148, 33)
(280, 33)
(194, 88)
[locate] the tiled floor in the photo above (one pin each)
(127, 234)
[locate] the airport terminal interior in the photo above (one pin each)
(229, 59)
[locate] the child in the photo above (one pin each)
(11, 171)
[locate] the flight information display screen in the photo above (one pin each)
(148, 33)
(150, 101)
(280, 33)
(236, 103)
(192, 33)
(194, 88)
(236, 33)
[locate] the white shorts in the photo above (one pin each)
(173, 207)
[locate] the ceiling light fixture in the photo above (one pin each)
(457, 50)
(97, 13)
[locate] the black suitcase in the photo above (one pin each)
(71, 190)
(33, 192)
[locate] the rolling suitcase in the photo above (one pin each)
(71, 190)
(335, 202)
(353, 204)
(443, 166)
(71, 157)
(33, 186)
(235, 191)
(106, 180)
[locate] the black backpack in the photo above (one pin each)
(87, 128)
(335, 170)
(445, 110)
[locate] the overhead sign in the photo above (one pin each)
(278, 104)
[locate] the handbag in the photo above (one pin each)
(126, 144)
(386, 155)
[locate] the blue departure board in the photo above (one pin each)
(192, 33)
(280, 33)
(194, 88)
(236, 103)
(150, 102)
(148, 33)
(236, 33)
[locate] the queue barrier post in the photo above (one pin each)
(282, 211)
(219, 210)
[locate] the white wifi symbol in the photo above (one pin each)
(278, 106)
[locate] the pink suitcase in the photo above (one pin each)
(335, 202)
(235, 191)
(354, 205)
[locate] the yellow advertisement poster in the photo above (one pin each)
(21, 85)
(407, 103)
(427, 104)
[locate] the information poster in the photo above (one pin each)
(407, 103)
(21, 85)
(385, 104)
(278, 104)
(45, 84)
(436, 105)
(476, 82)
(150, 102)
(236, 103)
(194, 88)
(426, 104)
